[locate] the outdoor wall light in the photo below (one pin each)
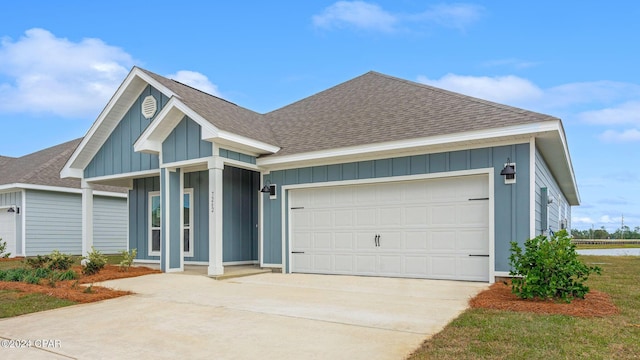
(270, 189)
(14, 209)
(509, 172)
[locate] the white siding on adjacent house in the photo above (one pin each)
(559, 209)
(110, 219)
(9, 199)
(53, 222)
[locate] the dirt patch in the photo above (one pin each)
(76, 290)
(499, 297)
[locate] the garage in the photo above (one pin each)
(434, 228)
(8, 230)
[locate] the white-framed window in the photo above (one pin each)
(154, 223)
(155, 213)
(187, 223)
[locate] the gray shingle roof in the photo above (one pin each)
(223, 114)
(43, 168)
(374, 108)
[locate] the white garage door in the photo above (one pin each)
(434, 228)
(8, 230)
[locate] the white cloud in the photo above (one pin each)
(356, 13)
(196, 80)
(626, 113)
(503, 89)
(457, 16)
(614, 136)
(581, 220)
(511, 62)
(47, 74)
(368, 16)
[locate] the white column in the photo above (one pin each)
(215, 216)
(87, 217)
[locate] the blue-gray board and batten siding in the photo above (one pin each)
(511, 201)
(185, 143)
(546, 187)
(116, 156)
(240, 207)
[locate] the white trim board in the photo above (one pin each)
(22, 186)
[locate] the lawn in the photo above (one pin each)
(14, 303)
(607, 246)
(493, 334)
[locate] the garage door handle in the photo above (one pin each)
(487, 255)
(376, 240)
(477, 199)
(297, 252)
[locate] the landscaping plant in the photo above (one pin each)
(3, 248)
(127, 259)
(93, 262)
(59, 261)
(549, 268)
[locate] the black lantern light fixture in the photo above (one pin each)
(270, 189)
(14, 209)
(509, 172)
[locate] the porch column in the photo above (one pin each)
(215, 166)
(171, 235)
(87, 217)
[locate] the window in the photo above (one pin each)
(154, 223)
(187, 222)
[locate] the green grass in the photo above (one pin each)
(607, 246)
(492, 334)
(14, 303)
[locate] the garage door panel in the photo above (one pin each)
(344, 263)
(428, 228)
(391, 216)
(416, 241)
(417, 266)
(344, 241)
(443, 241)
(366, 264)
(390, 264)
(444, 216)
(322, 241)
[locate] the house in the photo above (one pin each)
(40, 212)
(376, 176)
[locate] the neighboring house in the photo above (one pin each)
(40, 212)
(376, 176)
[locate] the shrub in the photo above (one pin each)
(59, 261)
(127, 259)
(38, 261)
(93, 262)
(549, 268)
(3, 248)
(65, 275)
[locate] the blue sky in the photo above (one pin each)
(60, 62)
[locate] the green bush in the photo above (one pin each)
(3, 248)
(65, 275)
(59, 261)
(31, 276)
(93, 262)
(127, 259)
(38, 261)
(549, 268)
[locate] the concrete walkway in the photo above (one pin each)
(267, 316)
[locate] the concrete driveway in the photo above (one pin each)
(268, 316)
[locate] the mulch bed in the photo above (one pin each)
(74, 290)
(499, 297)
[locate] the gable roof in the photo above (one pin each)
(43, 168)
(375, 108)
(223, 114)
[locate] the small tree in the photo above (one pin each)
(127, 259)
(3, 248)
(549, 268)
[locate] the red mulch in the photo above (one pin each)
(499, 297)
(72, 290)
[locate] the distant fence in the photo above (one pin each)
(605, 242)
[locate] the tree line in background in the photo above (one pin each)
(623, 232)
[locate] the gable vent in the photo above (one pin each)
(149, 107)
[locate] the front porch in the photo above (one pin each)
(230, 271)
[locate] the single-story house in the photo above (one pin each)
(376, 176)
(40, 212)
